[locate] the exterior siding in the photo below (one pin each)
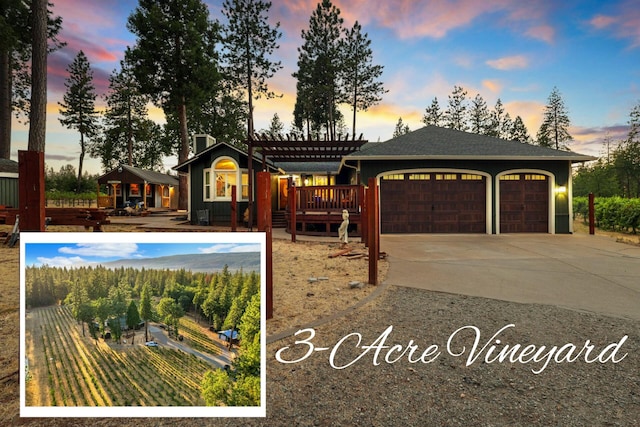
(9, 192)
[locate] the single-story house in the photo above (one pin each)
(134, 185)
(9, 183)
(432, 180)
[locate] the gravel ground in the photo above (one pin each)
(445, 392)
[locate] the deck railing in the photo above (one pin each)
(328, 198)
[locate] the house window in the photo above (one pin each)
(207, 185)
(134, 190)
(220, 179)
(245, 185)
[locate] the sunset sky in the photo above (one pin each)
(509, 49)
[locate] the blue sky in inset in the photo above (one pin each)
(73, 255)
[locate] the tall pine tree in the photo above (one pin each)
(433, 114)
(361, 88)
(554, 130)
(77, 109)
(249, 41)
(175, 61)
(319, 60)
(455, 116)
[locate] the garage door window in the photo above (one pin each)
(470, 177)
(535, 177)
(446, 176)
(419, 177)
(394, 177)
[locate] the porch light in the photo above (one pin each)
(561, 190)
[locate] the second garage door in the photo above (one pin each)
(524, 203)
(433, 203)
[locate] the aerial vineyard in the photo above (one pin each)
(71, 370)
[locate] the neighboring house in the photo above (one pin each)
(9, 183)
(130, 184)
(432, 180)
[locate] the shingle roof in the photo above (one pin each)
(8, 166)
(148, 176)
(433, 142)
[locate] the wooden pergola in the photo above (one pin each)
(292, 148)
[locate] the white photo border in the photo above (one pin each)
(153, 411)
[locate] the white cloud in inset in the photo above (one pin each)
(230, 247)
(105, 250)
(60, 261)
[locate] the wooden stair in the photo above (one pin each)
(278, 219)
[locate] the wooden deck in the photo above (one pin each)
(319, 209)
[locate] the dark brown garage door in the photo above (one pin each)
(433, 203)
(524, 203)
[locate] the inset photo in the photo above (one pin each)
(142, 325)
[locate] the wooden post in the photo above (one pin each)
(374, 240)
(263, 197)
(31, 190)
(144, 195)
(592, 216)
(362, 196)
(234, 208)
(293, 207)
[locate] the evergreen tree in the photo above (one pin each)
(128, 135)
(77, 110)
(554, 130)
(175, 61)
(627, 157)
(319, 60)
(361, 87)
(276, 127)
(249, 41)
(496, 120)
(17, 27)
(479, 115)
(145, 309)
(401, 129)
(455, 116)
(507, 128)
(433, 114)
(133, 318)
(519, 131)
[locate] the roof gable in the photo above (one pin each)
(433, 142)
(148, 176)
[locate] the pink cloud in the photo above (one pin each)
(623, 23)
(545, 33)
(435, 19)
(509, 62)
(602, 21)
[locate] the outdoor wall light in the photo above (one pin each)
(561, 190)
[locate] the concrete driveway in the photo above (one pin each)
(580, 272)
